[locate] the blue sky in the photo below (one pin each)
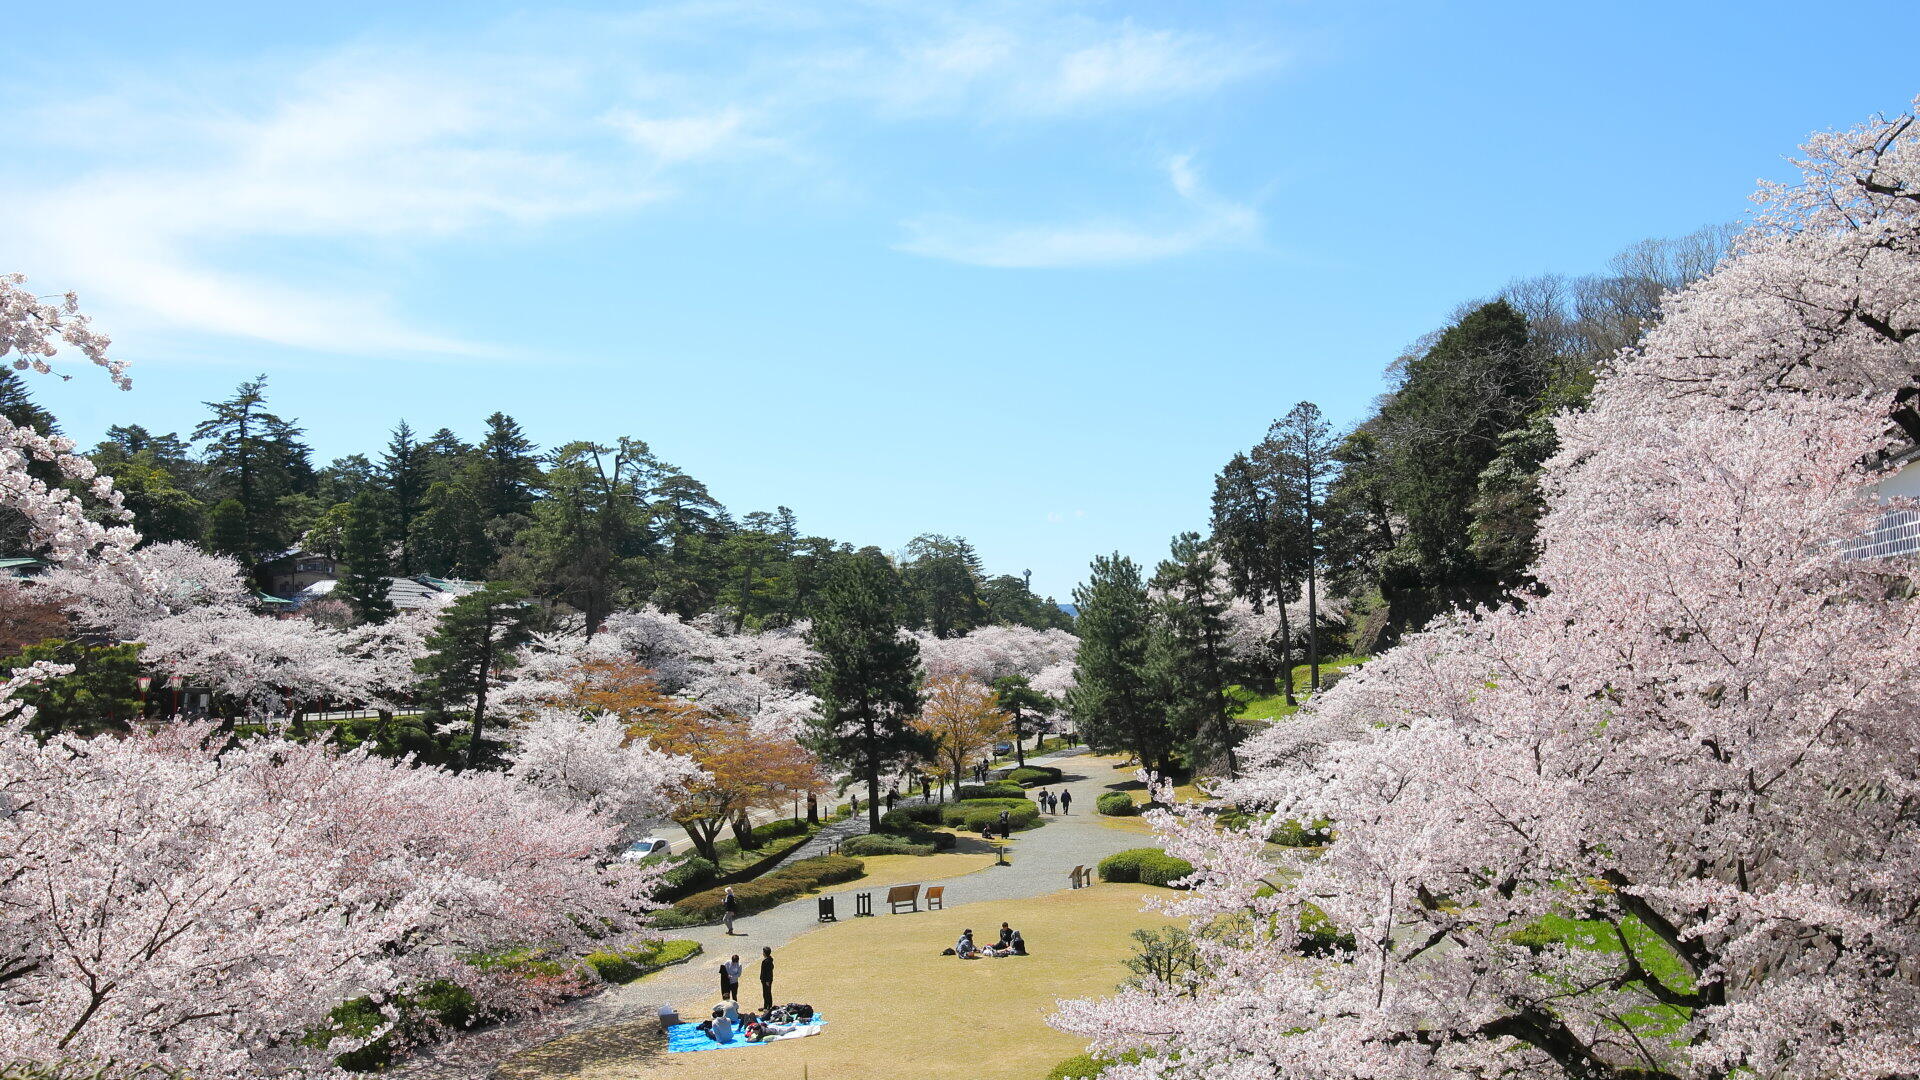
(1023, 272)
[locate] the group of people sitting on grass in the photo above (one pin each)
(781, 1021)
(1010, 944)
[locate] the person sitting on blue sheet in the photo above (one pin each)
(720, 1028)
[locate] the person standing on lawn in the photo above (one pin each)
(730, 909)
(766, 978)
(1066, 801)
(730, 979)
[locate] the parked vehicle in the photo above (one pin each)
(643, 847)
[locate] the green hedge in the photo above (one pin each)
(685, 873)
(626, 965)
(781, 828)
(1148, 866)
(908, 819)
(1116, 804)
(974, 815)
(794, 879)
(1088, 1066)
(887, 844)
(1319, 937)
(1301, 834)
(999, 789)
(1035, 775)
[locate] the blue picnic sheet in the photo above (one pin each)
(687, 1038)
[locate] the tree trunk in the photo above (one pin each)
(479, 709)
(873, 798)
(1286, 657)
(813, 809)
(1019, 753)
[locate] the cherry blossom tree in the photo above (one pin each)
(594, 761)
(165, 902)
(1660, 821)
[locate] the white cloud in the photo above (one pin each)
(292, 204)
(1208, 222)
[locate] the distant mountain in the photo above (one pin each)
(1071, 609)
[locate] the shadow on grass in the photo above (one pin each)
(603, 1051)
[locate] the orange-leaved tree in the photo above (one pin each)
(962, 716)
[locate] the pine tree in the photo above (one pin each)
(258, 460)
(1112, 702)
(868, 677)
(943, 580)
(1188, 660)
(449, 534)
(404, 476)
(363, 550)
(509, 466)
(1260, 541)
(474, 640)
(18, 406)
(1020, 701)
(1305, 469)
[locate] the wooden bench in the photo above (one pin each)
(903, 894)
(936, 898)
(1079, 876)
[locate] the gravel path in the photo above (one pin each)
(1040, 860)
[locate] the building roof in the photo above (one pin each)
(405, 593)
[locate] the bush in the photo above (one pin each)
(908, 819)
(975, 815)
(781, 829)
(1116, 804)
(1147, 866)
(995, 790)
(1035, 775)
(685, 873)
(626, 965)
(440, 1004)
(1319, 937)
(887, 844)
(1088, 1066)
(760, 894)
(1301, 834)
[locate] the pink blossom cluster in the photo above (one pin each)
(1045, 657)
(1658, 822)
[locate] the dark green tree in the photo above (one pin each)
(403, 475)
(1303, 471)
(450, 534)
(17, 405)
(943, 584)
(1188, 654)
(364, 555)
(1020, 701)
(227, 531)
(588, 545)
(472, 643)
(1112, 702)
(257, 460)
(510, 468)
(1259, 535)
(101, 693)
(868, 679)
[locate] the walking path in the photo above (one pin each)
(1040, 860)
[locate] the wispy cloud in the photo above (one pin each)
(291, 205)
(1206, 221)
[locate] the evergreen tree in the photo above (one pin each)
(100, 693)
(17, 405)
(1016, 697)
(473, 642)
(443, 455)
(1188, 660)
(403, 474)
(367, 566)
(868, 677)
(1305, 468)
(510, 469)
(257, 460)
(1259, 537)
(588, 544)
(227, 529)
(450, 535)
(1112, 702)
(943, 581)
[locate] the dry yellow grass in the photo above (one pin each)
(896, 1008)
(884, 870)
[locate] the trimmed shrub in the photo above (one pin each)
(440, 1004)
(973, 815)
(1116, 804)
(1147, 866)
(995, 790)
(1301, 834)
(626, 965)
(886, 844)
(1088, 1066)
(781, 829)
(906, 819)
(1319, 937)
(690, 873)
(760, 894)
(1035, 775)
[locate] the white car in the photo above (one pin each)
(644, 847)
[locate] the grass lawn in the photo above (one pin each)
(896, 1009)
(884, 870)
(1274, 706)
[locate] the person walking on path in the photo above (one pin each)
(923, 787)
(1006, 826)
(730, 909)
(730, 979)
(1066, 801)
(766, 978)
(892, 794)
